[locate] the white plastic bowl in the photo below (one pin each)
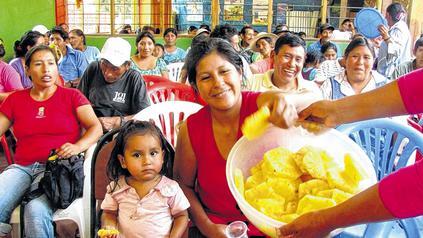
(246, 154)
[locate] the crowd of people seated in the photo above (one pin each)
(234, 72)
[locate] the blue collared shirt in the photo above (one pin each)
(73, 64)
(316, 46)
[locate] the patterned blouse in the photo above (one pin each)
(157, 70)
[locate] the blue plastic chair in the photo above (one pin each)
(382, 140)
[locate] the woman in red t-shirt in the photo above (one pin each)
(44, 117)
(205, 139)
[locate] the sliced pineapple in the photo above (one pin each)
(239, 181)
(311, 203)
(255, 124)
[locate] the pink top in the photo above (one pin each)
(402, 192)
(212, 187)
(9, 78)
(41, 126)
(262, 66)
(150, 216)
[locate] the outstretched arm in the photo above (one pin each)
(381, 102)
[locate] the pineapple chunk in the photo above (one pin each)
(287, 218)
(336, 194)
(255, 124)
(339, 179)
(284, 187)
(239, 181)
(278, 162)
(311, 203)
(312, 187)
(254, 180)
(309, 161)
(352, 170)
(273, 208)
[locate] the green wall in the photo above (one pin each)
(19, 16)
(98, 41)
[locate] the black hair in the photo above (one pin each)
(142, 35)
(192, 28)
(301, 34)
(356, 43)
(2, 50)
(225, 32)
(346, 20)
(173, 30)
(419, 42)
(291, 40)
(313, 57)
(203, 48)
(160, 45)
(148, 28)
(396, 11)
(28, 39)
(59, 30)
(244, 29)
(198, 38)
(357, 35)
(327, 46)
(33, 50)
(80, 33)
(268, 39)
(131, 128)
(205, 26)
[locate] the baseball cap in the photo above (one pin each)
(326, 26)
(40, 28)
(116, 50)
(258, 37)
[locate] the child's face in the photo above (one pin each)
(143, 157)
(158, 51)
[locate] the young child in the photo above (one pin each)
(158, 50)
(311, 65)
(141, 201)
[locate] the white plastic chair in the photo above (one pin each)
(167, 115)
(175, 70)
(77, 212)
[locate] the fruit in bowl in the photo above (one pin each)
(285, 173)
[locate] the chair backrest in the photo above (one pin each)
(175, 70)
(388, 143)
(171, 91)
(150, 80)
(167, 116)
(99, 180)
(6, 149)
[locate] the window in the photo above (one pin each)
(110, 16)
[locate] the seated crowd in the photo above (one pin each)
(72, 93)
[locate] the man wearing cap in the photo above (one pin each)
(115, 91)
(264, 44)
(325, 34)
(288, 60)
